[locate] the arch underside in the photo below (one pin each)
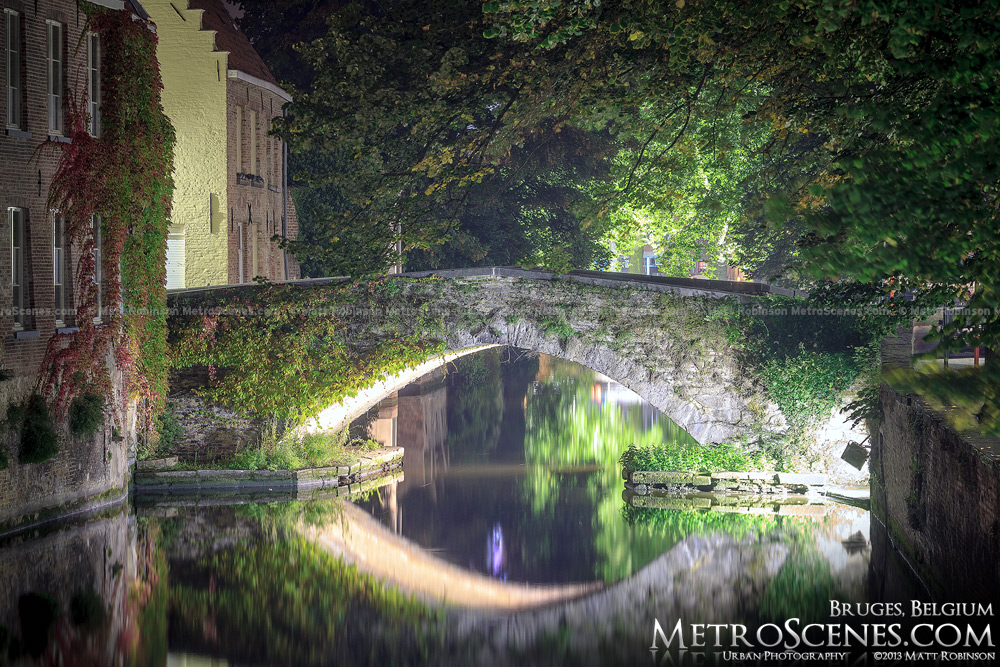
(712, 412)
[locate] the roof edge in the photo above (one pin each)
(267, 85)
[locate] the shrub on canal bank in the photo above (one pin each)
(311, 450)
(39, 441)
(677, 456)
(86, 414)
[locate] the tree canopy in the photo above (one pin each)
(851, 141)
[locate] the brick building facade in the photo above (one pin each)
(231, 195)
(47, 59)
(49, 63)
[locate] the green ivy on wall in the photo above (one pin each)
(124, 178)
(288, 352)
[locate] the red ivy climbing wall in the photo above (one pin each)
(125, 177)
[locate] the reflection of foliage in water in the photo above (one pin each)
(148, 594)
(475, 406)
(567, 427)
(259, 600)
(803, 587)
(678, 524)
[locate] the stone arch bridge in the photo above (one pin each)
(661, 337)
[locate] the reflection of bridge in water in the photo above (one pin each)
(703, 578)
(359, 538)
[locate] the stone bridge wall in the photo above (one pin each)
(87, 471)
(658, 337)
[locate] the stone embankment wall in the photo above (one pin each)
(938, 493)
(88, 471)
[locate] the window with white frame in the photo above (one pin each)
(252, 129)
(94, 82)
(98, 266)
(55, 66)
(59, 272)
(239, 140)
(15, 221)
(13, 68)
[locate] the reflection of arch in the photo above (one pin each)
(361, 539)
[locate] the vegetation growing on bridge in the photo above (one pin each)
(287, 352)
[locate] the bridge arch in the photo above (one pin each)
(656, 338)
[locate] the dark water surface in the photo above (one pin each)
(510, 493)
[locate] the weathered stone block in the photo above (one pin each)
(802, 510)
(156, 464)
(807, 479)
(670, 477)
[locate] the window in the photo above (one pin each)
(13, 68)
(253, 141)
(239, 251)
(651, 266)
(15, 217)
(94, 82)
(252, 129)
(239, 140)
(60, 274)
(98, 268)
(277, 163)
(55, 58)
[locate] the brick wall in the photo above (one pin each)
(84, 468)
(28, 159)
(938, 494)
(255, 207)
(194, 98)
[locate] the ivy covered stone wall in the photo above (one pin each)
(291, 351)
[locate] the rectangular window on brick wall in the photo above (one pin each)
(94, 82)
(13, 68)
(98, 266)
(61, 273)
(239, 252)
(239, 140)
(252, 129)
(18, 275)
(276, 160)
(55, 72)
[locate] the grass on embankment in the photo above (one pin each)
(699, 458)
(312, 450)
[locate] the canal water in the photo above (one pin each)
(505, 539)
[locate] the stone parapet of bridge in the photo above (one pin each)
(663, 338)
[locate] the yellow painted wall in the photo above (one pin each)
(194, 97)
